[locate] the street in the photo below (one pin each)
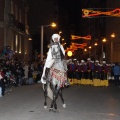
(83, 103)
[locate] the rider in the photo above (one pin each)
(50, 60)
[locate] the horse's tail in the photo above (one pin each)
(49, 91)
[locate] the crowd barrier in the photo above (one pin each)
(94, 82)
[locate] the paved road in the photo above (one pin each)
(83, 103)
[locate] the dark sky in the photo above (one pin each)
(40, 13)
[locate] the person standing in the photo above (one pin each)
(116, 73)
(104, 74)
(83, 72)
(2, 83)
(25, 73)
(96, 74)
(90, 68)
(30, 75)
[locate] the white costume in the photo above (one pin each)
(49, 60)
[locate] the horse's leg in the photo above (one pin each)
(61, 96)
(53, 89)
(55, 96)
(45, 95)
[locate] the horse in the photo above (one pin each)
(56, 80)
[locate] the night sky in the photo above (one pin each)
(41, 12)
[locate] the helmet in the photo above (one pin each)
(104, 62)
(82, 61)
(56, 36)
(89, 59)
(96, 61)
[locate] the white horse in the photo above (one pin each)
(56, 79)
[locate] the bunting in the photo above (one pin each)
(73, 37)
(96, 13)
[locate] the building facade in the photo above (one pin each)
(14, 29)
(112, 26)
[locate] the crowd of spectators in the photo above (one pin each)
(17, 73)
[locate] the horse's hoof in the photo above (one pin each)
(45, 107)
(51, 110)
(64, 105)
(56, 111)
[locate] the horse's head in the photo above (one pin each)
(55, 50)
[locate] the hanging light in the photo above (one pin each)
(113, 35)
(104, 40)
(89, 47)
(96, 44)
(53, 24)
(69, 53)
(85, 50)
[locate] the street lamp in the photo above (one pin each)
(103, 41)
(112, 36)
(60, 32)
(90, 47)
(95, 44)
(42, 32)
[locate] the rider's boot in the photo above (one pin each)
(46, 74)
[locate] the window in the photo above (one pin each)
(16, 12)
(12, 7)
(20, 20)
(20, 43)
(16, 43)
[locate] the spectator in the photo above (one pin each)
(30, 76)
(2, 83)
(25, 73)
(116, 72)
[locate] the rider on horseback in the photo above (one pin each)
(50, 56)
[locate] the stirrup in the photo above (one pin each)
(44, 78)
(43, 81)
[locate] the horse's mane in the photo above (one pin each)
(59, 50)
